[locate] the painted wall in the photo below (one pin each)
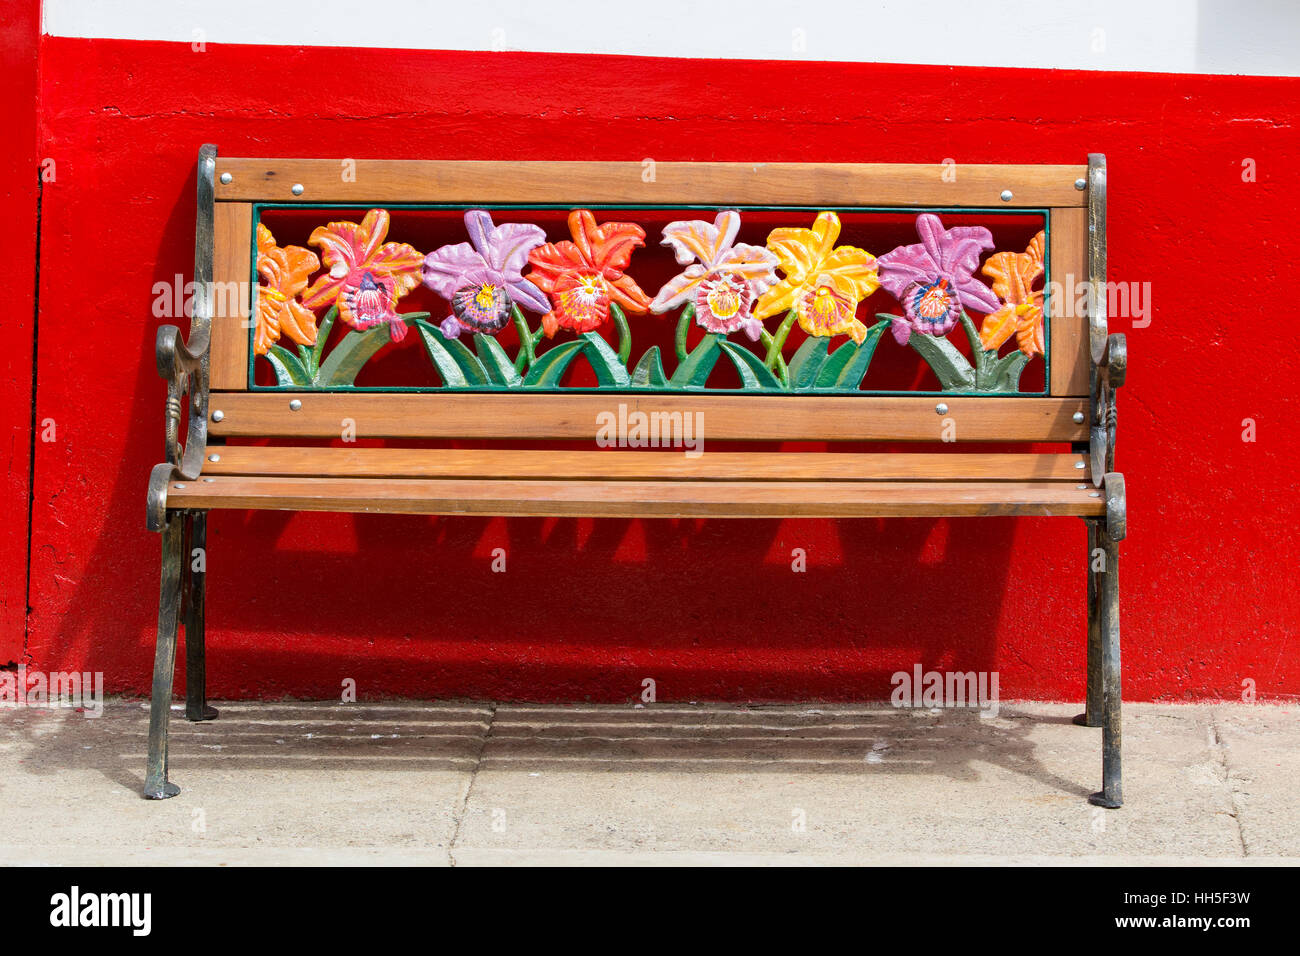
(588, 609)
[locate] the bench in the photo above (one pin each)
(989, 277)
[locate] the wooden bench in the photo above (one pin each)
(237, 377)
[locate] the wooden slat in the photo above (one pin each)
(661, 465)
(571, 183)
(232, 248)
(1069, 260)
(725, 417)
(639, 499)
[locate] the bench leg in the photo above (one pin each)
(196, 679)
(1091, 717)
(156, 785)
(1111, 795)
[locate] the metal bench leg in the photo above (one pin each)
(1111, 795)
(156, 785)
(196, 679)
(1091, 717)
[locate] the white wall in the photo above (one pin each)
(1183, 36)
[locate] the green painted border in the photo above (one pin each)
(1044, 212)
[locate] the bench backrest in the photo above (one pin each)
(244, 192)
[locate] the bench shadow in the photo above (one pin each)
(356, 740)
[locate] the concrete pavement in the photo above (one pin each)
(463, 783)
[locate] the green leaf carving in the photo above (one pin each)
(456, 364)
(649, 371)
(609, 368)
(289, 369)
(694, 370)
(753, 373)
(496, 363)
(355, 350)
(807, 361)
(846, 367)
(551, 365)
(949, 366)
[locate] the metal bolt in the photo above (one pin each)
(1006, 195)
(1082, 487)
(1094, 494)
(178, 485)
(214, 458)
(297, 189)
(1081, 184)
(941, 409)
(1078, 418)
(1079, 465)
(209, 480)
(295, 405)
(218, 415)
(227, 179)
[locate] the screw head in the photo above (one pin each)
(295, 405)
(941, 409)
(1094, 494)
(209, 480)
(297, 189)
(1079, 465)
(214, 458)
(1082, 487)
(1078, 418)
(1006, 195)
(1081, 184)
(218, 415)
(178, 485)
(227, 179)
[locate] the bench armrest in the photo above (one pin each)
(1108, 374)
(185, 364)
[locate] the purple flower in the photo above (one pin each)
(483, 281)
(934, 279)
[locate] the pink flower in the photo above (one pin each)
(934, 279)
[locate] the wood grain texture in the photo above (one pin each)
(652, 465)
(639, 499)
(725, 417)
(1069, 259)
(232, 251)
(576, 183)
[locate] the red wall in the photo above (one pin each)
(587, 609)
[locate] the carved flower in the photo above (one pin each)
(366, 275)
(1013, 275)
(482, 280)
(584, 276)
(722, 279)
(934, 279)
(285, 273)
(823, 283)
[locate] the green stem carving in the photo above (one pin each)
(782, 372)
(322, 333)
(624, 333)
(527, 344)
(778, 340)
(683, 327)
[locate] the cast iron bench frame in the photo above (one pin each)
(210, 369)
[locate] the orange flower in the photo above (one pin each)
(366, 275)
(285, 272)
(1013, 275)
(583, 277)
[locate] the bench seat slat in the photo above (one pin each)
(633, 499)
(660, 464)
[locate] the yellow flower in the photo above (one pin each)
(823, 283)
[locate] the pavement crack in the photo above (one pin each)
(1224, 772)
(462, 805)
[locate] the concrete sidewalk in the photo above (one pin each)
(472, 783)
